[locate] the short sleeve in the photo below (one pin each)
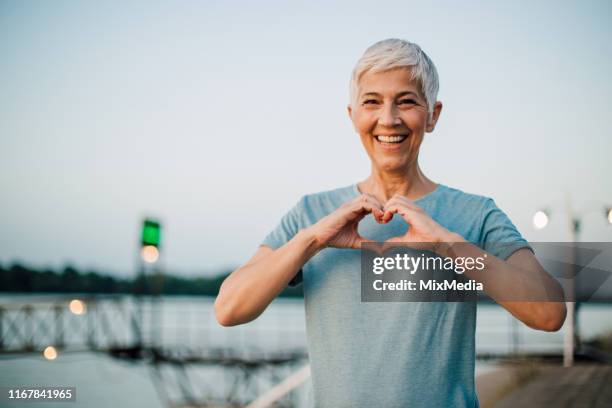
(286, 229)
(498, 235)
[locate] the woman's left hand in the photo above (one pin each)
(423, 232)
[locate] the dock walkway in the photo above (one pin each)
(584, 385)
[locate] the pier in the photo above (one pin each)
(127, 328)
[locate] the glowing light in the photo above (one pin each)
(609, 215)
(77, 307)
(50, 353)
(149, 253)
(540, 219)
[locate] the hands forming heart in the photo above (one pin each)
(339, 229)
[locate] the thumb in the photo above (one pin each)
(366, 244)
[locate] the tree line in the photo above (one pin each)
(19, 278)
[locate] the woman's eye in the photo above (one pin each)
(370, 101)
(407, 101)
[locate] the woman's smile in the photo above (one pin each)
(394, 139)
(391, 142)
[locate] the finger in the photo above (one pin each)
(359, 241)
(378, 209)
(387, 213)
(373, 201)
(372, 198)
(399, 199)
(371, 204)
(377, 204)
(361, 208)
(399, 208)
(387, 216)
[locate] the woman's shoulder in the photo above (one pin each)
(327, 200)
(455, 196)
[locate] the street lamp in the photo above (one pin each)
(77, 307)
(50, 353)
(540, 219)
(149, 263)
(149, 254)
(574, 222)
(150, 239)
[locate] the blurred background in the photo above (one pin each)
(201, 123)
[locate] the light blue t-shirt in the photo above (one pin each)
(391, 354)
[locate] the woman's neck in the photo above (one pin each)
(412, 184)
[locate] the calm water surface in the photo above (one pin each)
(189, 323)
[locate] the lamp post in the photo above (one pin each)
(148, 264)
(574, 222)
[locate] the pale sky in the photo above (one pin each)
(216, 117)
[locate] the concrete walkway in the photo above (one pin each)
(584, 385)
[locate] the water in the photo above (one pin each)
(99, 380)
(189, 323)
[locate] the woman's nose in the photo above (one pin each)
(388, 116)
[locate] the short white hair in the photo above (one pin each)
(394, 53)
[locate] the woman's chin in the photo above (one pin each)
(392, 165)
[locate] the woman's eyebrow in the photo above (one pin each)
(399, 95)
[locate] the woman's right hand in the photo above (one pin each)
(242, 296)
(339, 229)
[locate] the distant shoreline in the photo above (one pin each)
(21, 279)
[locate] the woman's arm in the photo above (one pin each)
(520, 284)
(521, 277)
(247, 291)
(547, 316)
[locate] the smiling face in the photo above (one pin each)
(390, 114)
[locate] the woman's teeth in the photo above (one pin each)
(391, 139)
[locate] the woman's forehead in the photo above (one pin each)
(391, 82)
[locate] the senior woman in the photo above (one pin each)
(398, 354)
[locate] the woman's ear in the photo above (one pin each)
(433, 119)
(349, 109)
